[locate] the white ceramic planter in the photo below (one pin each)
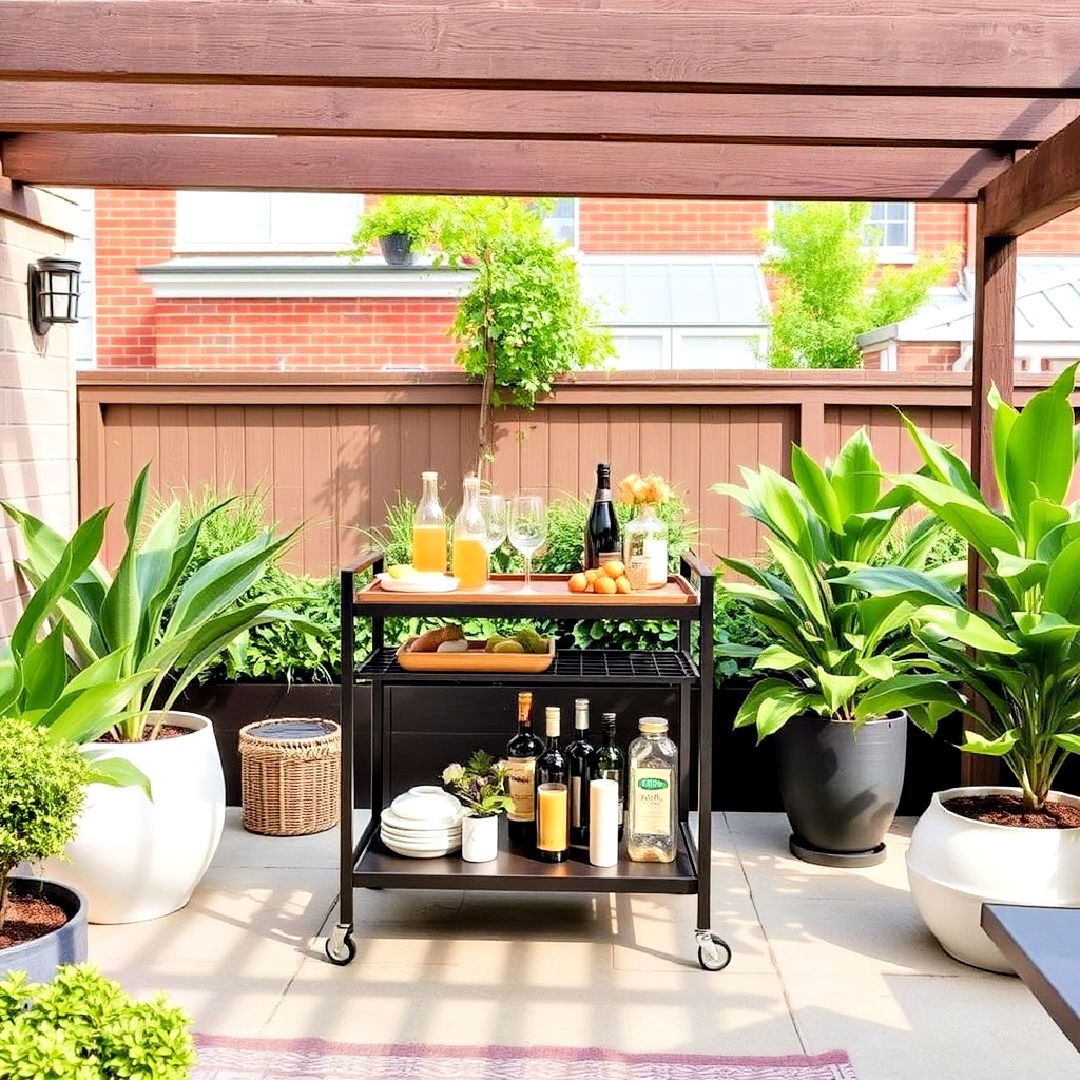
(955, 865)
(480, 838)
(135, 858)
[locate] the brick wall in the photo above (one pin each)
(304, 333)
(927, 356)
(1058, 237)
(37, 397)
(641, 226)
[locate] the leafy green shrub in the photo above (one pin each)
(82, 1026)
(414, 215)
(41, 796)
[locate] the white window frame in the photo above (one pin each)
(889, 256)
(184, 245)
(575, 220)
(755, 334)
(662, 332)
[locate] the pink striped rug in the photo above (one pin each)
(311, 1059)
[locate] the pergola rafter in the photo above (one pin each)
(849, 99)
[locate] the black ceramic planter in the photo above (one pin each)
(397, 249)
(840, 790)
(65, 945)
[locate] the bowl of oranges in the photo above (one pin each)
(608, 580)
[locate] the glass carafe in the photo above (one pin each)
(652, 793)
(645, 549)
(470, 539)
(429, 529)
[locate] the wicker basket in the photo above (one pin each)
(291, 770)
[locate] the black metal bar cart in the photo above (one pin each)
(366, 863)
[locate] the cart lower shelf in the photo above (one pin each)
(378, 867)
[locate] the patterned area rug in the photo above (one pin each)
(311, 1059)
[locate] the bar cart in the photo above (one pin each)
(687, 598)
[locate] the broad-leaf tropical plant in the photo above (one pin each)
(149, 616)
(835, 651)
(1022, 655)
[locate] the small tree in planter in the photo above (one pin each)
(41, 795)
(400, 223)
(842, 666)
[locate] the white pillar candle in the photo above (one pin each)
(604, 822)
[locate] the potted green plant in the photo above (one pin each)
(42, 788)
(842, 668)
(155, 629)
(81, 1025)
(480, 784)
(399, 223)
(1014, 845)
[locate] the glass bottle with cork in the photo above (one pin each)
(653, 794)
(522, 751)
(470, 538)
(552, 795)
(429, 529)
(581, 754)
(602, 527)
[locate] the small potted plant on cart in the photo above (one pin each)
(481, 786)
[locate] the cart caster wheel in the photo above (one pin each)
(714, 953)
(340, 947)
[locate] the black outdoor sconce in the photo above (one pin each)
(53, 290)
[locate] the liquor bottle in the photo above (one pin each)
(552, 791)
(429, 529)
(581, 755)
(602, 527)
(611, 764)
(654, 768)
(470, 549)
(521, 753)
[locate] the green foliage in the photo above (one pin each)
(824, 300)
(833, 651)
(480, 784)
(415, 215)
(41, 796)
(82, 1026)
(1023, 657)
(154, 618)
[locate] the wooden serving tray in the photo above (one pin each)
(545, 589)
(476, 659)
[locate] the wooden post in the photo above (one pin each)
(992, 364)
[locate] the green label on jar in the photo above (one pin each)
(652, 783)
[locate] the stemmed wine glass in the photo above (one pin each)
(527, 529)
(493, 511)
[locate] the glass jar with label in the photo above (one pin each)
(645, 549)
(652, 793)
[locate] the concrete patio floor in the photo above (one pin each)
(824, 959)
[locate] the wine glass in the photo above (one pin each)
(527, 529)
(493, 510)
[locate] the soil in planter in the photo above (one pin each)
(166, 731)
(29, 918)
(1009, 810)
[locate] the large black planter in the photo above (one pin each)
(65, 945)
(397, 249)
(840, 790)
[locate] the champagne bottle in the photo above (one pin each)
(611, 763)
(602, 527)
(552, 796)
(522, 751)
(581, 755)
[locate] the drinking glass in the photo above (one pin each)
(527, 529)
(493, 509)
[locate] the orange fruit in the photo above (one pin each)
(614, 569)
(591, 575)
(577, 583)
(605, 585)
(590, 588)
(623, 585)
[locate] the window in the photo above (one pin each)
(562, 220)
(664, 348)
(892, 225)
(254, 221)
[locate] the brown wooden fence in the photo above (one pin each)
(334, 451)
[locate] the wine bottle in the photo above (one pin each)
(552, 791)
(602, 527)
(522, 751)
(581, 755)
(611, 763)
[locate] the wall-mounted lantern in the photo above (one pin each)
(53, 289)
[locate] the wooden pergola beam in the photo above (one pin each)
(492, 166)
(837, 119)
(1041, 186)
(457, 46)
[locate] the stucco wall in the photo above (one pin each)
(37, 384)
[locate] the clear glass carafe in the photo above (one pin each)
(470, 539)
(429, 529)
(645, 549)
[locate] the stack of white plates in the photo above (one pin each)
(424, 823)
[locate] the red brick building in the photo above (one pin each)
(256, 280)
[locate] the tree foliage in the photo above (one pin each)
(824, 269)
